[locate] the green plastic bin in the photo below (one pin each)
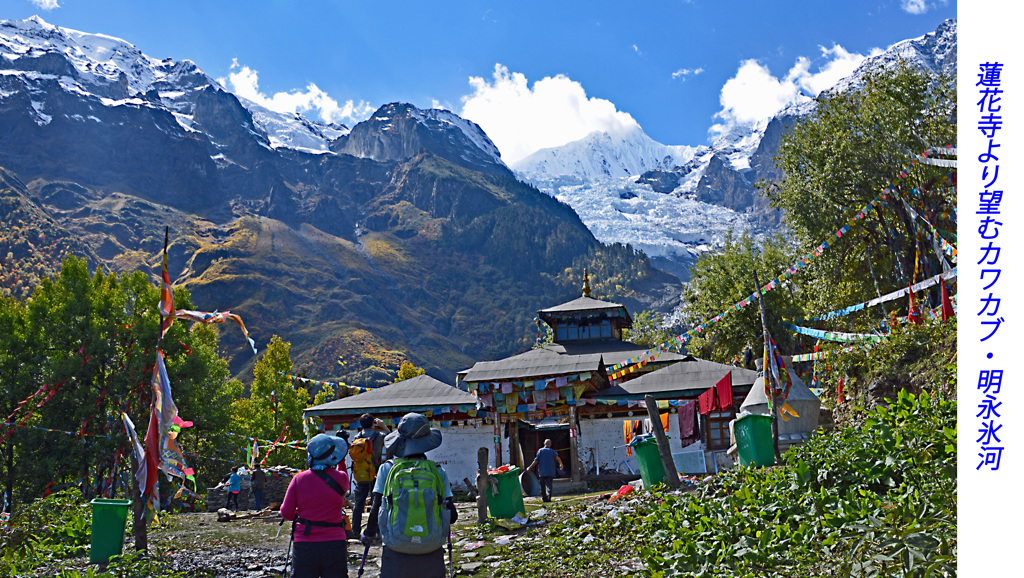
(509, 500)
(652, 470)
(754, 440)
(108, 521)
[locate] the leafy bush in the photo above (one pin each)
(53, 528)
(876, 499)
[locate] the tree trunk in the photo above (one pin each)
(671, 476)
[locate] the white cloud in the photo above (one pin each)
(683, 73)
(755, 93)
(920, 6)
(521, 120)
(914, 6)
(244, 82)
(46, 4)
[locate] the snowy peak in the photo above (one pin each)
(935, 51)
(603, 155)
(96, 60)
(40, 56)
(400, 131)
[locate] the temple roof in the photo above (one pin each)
(556, 359)
(421, 393)
(691, 375)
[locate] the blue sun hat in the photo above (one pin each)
(325, 451)
(412, 436)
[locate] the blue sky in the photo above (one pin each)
(532, 74)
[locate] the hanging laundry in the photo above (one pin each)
(688, 432)
(707, 401)
(724, 391)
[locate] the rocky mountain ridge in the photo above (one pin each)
(404, 238)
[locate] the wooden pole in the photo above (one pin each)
(514, 455)
(574, 446)
(497, 439)
(767, 370)
(482, 486)
(138, 510)
(671, 476)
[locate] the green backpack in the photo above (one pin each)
(413, 519)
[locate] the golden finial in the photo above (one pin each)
(586, 283)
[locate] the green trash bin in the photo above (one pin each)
(652, 470)
(108, 521)
(509, 500)
(754, 440)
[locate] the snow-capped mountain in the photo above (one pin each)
(677, 202)
(601, 155)
(39, 54)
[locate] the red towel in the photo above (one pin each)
(724, 389)
(706, 402)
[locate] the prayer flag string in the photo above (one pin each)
(633, 364)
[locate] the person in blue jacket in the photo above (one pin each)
(234, 487)
(545, 464)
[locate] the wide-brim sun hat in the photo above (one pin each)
(412, 436)
(326, 451)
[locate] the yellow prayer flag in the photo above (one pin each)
(788, 409)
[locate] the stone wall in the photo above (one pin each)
(278, 478)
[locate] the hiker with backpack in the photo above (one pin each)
(412, 504)
(365, 451)
(315, 502)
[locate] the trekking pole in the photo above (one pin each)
(451, 557)
(288, 553)
(366, 550)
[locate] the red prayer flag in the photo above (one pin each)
(947, 305)
(166, 295)
(913, 315)
(152, 457)
(724, 389)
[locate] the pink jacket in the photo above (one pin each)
(310, 498)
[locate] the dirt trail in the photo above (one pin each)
(254, 548)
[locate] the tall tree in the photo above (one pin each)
(720, 279)
(273, 402)
(835, 161)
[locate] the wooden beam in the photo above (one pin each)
(671, 476)
(574, 446)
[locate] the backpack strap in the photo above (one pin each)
(334, 485)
